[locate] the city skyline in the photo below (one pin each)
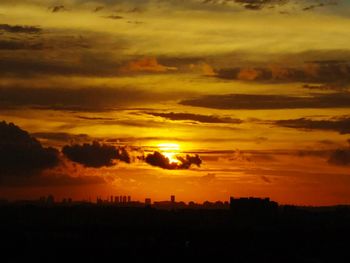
(202, 99)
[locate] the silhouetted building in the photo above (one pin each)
(129, 199)
(124, 199)
(253, 207)
(116, 199)
(112, 199)
(50, 200)
(148, 202)
(172, 198)
(4, 201)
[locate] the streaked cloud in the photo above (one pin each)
(341, 124)
(314, 72)
(195, 117)
(254, 102)
(79, 99)
(20, 29)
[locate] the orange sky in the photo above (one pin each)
(255, 93)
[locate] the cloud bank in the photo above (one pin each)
(95, 155)
(21, 154)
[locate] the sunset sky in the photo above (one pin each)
(203, 99)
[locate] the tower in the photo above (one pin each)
(148, 201)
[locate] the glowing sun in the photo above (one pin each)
(170, 150)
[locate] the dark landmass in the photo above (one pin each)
(248, 230)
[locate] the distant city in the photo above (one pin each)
(244, 229)
(119, 201)
(126, 201)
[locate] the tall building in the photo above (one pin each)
(50, 200)
(129, 199)
(172, 198)
(124, 199)
(148, 201)
(116, 199)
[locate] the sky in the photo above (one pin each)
(202, 99)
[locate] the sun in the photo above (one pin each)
(170, 150)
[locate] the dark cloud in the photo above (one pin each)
(250, 4)
(52, 42)
(265, 179)
(95, 155)
(91, 155)
(74, 64)
(61, 136)
(160, 160)
(311, 7)
(328, 71)
(314, 153)
(340, 157)
(58, 8)
(253, 102)
(318, 5)
(19, 45)
(341, 125)
(187, 161)
(98, 8)
(123, 155)
(261, 4)
(95, 118)
(21, 154)
(327, 87)
(115, 17)
(77, 99)
(20, 29)
(195, 117)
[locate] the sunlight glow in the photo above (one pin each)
(170, 150)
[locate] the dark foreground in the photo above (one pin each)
(111, 234)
